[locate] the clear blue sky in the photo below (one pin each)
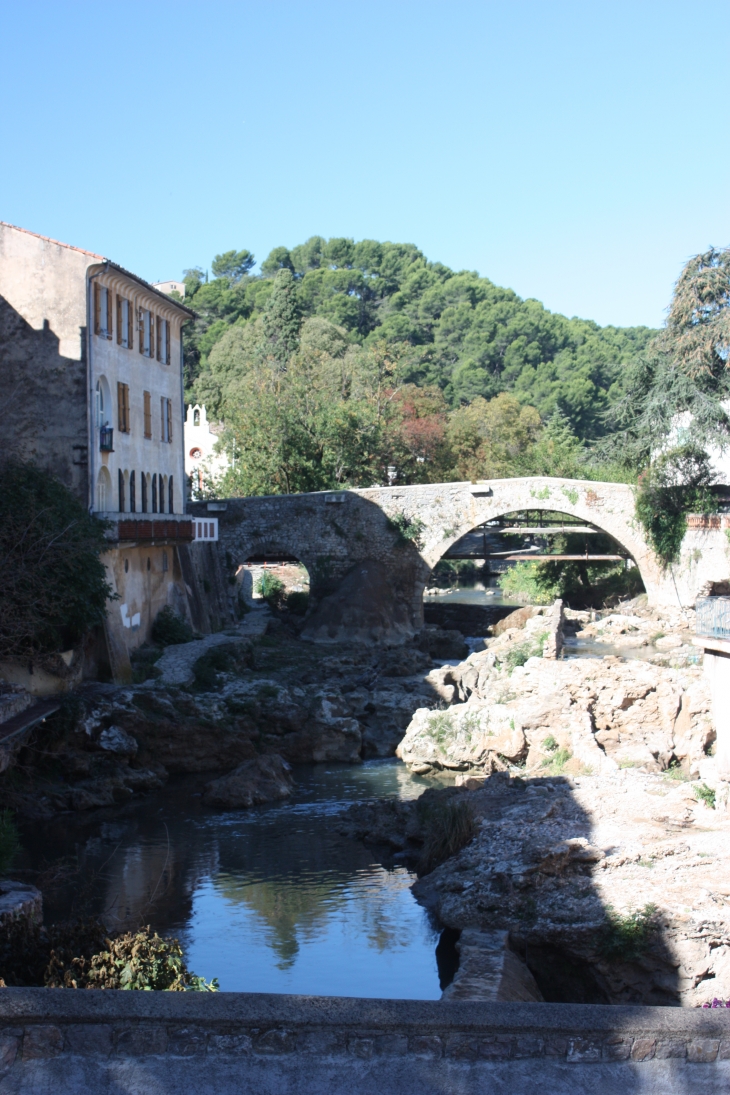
(575, 151)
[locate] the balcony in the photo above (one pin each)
(149, 528)
(106, 439)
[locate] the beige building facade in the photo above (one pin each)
(92, 370)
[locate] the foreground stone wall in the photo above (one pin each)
(104, 1042)
(332, 531)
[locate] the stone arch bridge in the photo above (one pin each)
(331, 532)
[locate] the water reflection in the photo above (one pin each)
(272, 900)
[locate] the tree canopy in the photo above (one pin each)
(455, 331)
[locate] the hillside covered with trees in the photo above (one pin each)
(342, 358)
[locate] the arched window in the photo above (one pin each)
(170, 497)
(154, 494)
(143, 480)
(161, 479)
(196, 416)
(132, 493)
(103, 490)
(122, 505)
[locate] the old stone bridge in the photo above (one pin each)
(331, 532)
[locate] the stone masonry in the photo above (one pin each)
(331, 531)
(105, 1042)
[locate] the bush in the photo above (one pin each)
(518, 655)
(705, 794)
(272, 589)
(9, 843)
(626, 936)
(53, 585)
(83, 955)
(448, 826)
(407, 529)
(170, 629)
(298, 602)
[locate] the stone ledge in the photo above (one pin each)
(42, 1023)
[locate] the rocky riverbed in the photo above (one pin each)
(231, 701)
(579, 841)
(599, 825)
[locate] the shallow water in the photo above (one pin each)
(266, 900)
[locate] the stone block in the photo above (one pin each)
(528, 1045)
(643, 1049)
(140, 1041)
(498, 1047)
(324, 1043)
(670, 1048)
(42, 1041)
(616, 1048)
(427, 1046)
(702, 1050)
(390, 1045)
(187, 1041)
(89, 1039)
(461, 1047)
(583, 1049)
(723, 1053)
(277, 1041)
(556, 1046)
(361, 1047)
(10, 1041)
(234, 1044)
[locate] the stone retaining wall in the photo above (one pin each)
(70, 1042)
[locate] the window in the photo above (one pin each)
(170, 497)
(163, 340)
(196, 417)
(146, 332)
(102, 311)
(154, 494)
(132, 493)
(165, 564)
(122, 506)
(125, 326)
(166, 419)
(147, 414)
(161, 480)
(100, 409)
(143, 479)
(123, 406)
(103, 490)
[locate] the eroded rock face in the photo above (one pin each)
(263, 779)
(597, 714)
(364, 608)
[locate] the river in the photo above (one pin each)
(267, 900)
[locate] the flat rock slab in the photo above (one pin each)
(176, 664)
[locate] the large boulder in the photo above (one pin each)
(364, 608)
(263, 779)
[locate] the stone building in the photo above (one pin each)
(91, 361)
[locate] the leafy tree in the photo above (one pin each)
(677, 483)
(282, 316)
(457, 331)
(53, 585)
(488, 437)
(278, 259)
(233, 265)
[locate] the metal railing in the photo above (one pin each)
(713, 617)
(106, 439)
